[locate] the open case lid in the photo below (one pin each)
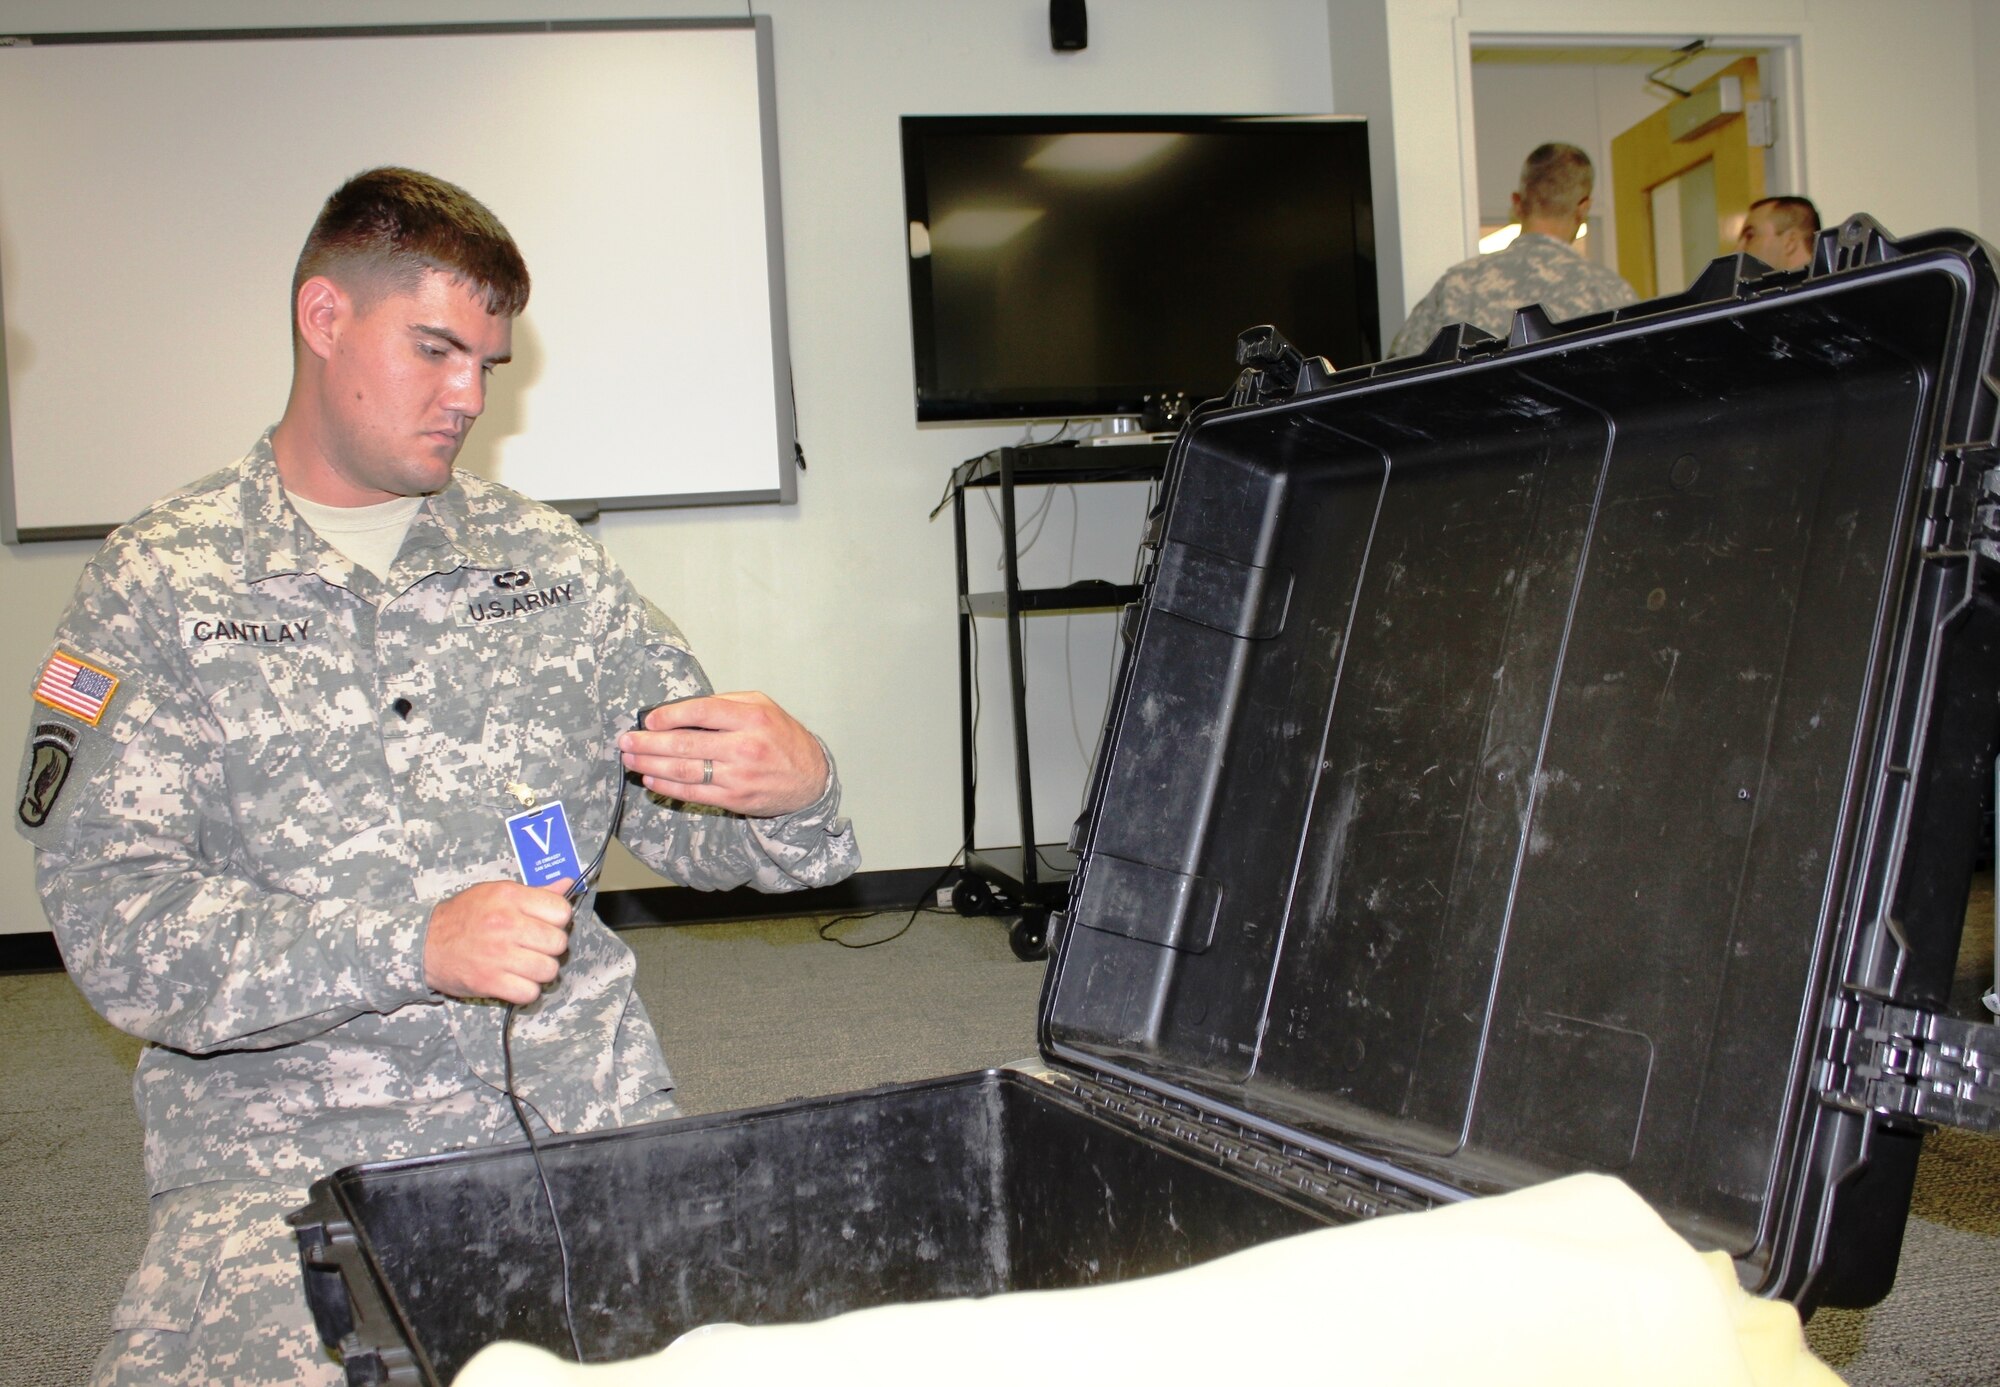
(1526, 755)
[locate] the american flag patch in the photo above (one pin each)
(74, 687)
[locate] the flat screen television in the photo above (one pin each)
(1074, 266)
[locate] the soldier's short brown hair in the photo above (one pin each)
(1791, 214)
(1555, 179)
(387, 227)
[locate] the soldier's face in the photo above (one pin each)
(1781, 250)
(406, 378)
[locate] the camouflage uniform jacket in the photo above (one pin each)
(240, 852)
(1486, 289)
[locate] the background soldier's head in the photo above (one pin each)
(1779, 231)
(1553, 198)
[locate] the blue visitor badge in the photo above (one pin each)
(542, 845)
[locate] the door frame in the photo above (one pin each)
(1645, 156)
(1782, 81)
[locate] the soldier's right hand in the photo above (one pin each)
(498, 939)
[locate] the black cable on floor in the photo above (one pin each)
(924, 903)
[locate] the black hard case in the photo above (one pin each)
(1560, 754)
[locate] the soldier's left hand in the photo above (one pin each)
(736, 751)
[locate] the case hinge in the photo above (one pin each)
(1961, 503)
(1324, 1181)
(1900, 1062)
(1984, 465)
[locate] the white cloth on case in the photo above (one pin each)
(1576, 1281)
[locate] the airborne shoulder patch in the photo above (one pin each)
(51, 753)
(62, 750)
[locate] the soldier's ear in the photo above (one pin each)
(317, 312)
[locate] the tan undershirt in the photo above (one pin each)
(372, 536)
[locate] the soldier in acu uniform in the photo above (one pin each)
(272, 758)
(1541, 266)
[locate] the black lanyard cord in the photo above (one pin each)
(578, 889)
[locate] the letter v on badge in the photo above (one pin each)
(542, 845)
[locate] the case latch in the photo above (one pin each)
(1274, 369)
(1901, 1062)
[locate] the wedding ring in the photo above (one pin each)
(707, 772)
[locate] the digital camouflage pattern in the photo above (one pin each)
(299, 761)
(1486, 289)
(217, 1298)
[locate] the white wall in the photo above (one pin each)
(841, 606)
(1359, 35)
(1517, 106)
(1890, 117)
(1985, 49)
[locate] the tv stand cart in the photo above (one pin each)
(1032, 880)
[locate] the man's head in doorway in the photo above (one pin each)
(1554, 194)
(1779, 231)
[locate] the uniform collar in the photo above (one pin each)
(1536, 240)
(277, 540)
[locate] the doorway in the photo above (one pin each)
(1660, 214)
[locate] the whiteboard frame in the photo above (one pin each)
(783, 401)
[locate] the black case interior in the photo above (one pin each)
(1517, 756)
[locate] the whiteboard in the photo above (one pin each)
(155, 190)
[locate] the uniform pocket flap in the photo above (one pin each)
(188, 1242)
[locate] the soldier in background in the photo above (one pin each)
(1541, 266)
(296, 755)
(1779, 231)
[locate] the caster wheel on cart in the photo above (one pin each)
(1029, 936)
(971, 896)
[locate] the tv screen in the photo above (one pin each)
(1067, 266)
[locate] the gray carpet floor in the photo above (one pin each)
(758, 1012)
